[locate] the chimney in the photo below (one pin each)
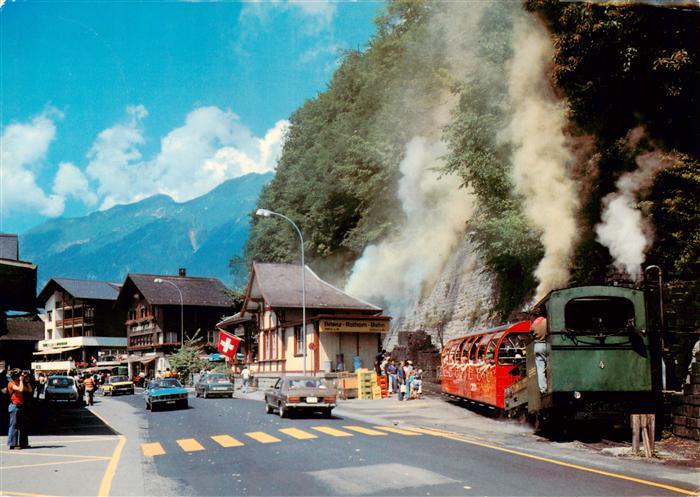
(182, 272)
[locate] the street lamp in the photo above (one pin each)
(182, 313)
(268, 213)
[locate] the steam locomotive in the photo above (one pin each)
(598, 360)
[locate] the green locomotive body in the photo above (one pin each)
(599, 363)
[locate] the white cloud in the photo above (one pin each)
(70, 181)
(317, 15)
(23, 146)
(211, 147)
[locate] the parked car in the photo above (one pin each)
(168, 391)
(213, 384)
(300, 393)
(118, 384)
(62, 389)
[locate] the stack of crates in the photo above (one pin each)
(364, 384)
(383, 383)
(376, 389)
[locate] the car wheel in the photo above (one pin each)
(268, 408)
(196, 393)
(204, 394)
(230, 396)
(131, 392)
(328, 412)
(284, 412)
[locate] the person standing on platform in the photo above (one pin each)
(17, 431)
(89, 384)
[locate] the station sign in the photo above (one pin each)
(353, 325)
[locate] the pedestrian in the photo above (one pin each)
(539, 331)
(391, 373)
(417, 385)
(17, 388)
(408, 369)
(401, 380)
(245, 376)
(378, 361)
(40, 399)
(79, 385)
(89, 384)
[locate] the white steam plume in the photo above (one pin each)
(623, 230)
(396, 269)
(540, 156)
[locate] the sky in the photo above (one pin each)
(105, 103)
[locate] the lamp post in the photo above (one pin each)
(182, 313)
(268, 213)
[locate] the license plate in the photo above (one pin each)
(170, 402)
(219, 388)
(312, 400)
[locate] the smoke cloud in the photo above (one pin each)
(540, 158)
(397, 269)
(623, 229)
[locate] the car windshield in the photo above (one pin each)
(307, 383)
(118, 379)
(61, 382)
(216, 378)
(167, 383)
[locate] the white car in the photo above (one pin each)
(62, 389)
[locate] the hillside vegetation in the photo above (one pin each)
(627, 77)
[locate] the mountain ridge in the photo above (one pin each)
(156, 235)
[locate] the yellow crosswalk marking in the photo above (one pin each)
(365, 431)
(226, 441)
(152, 449)
(298, 434)
(262, 437)
(397, 430)
(189, 445)
(331, 431)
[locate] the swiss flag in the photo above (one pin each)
(228, 344)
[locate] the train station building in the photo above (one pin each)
(342, 332)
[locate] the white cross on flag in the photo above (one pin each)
(228, 344)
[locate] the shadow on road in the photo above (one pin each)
(58, 419)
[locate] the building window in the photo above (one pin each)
(49, 315)
(142, 310)
(132, 314)
(273, 336)
(298, 341)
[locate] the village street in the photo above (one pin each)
(231, 447)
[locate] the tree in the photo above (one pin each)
(188, 359)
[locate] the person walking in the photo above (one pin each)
(245, 376)
(408, 378)
(401, 380)
(391, 372)
(89, 384)
(17, 432)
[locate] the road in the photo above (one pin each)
(231, 447)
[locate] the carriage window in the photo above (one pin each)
(512, 348)
(465, 351)
(598, 315)
(472, 351)
(482, 348)
(491, 350)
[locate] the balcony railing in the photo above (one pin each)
(77, 321)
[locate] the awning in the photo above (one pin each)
(56, 350)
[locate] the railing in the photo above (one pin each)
(75, 321)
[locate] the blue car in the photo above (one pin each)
(167, 392)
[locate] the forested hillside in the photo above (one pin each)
(561, 138)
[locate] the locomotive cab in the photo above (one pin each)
(598, 360)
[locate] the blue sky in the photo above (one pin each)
(111, 102)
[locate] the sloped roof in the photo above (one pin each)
(81, 289)
(195, 291)
(24, 329)
(280, 286)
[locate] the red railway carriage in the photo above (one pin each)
(480, 366)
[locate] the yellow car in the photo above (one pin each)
(118, 384)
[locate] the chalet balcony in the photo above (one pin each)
(77, 321)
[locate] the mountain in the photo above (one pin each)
(156, 235)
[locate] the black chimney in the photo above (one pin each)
(182, 272)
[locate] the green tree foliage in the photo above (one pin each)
(617, 68)
(188, 359)
(620, 68)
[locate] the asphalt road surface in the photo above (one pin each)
(231, 447)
